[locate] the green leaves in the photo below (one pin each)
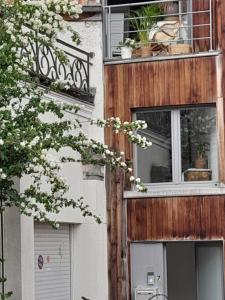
(6, 295)
(142, 20)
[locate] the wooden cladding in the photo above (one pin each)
(117, 242)
(201, 33)
(198, 80)
(159, 83)
(176, 218)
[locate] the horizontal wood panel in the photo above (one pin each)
(159, 83)
(156, 84)
(176, 218)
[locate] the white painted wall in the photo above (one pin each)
(89, 243)
(12, 243)
(89, 240)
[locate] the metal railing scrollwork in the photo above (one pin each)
(48, 68)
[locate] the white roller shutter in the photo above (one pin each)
(52, 262)
(117, 30)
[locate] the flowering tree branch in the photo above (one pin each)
(25, 139)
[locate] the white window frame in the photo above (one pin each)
(177, 181)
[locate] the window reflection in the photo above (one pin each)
(155, 163)
(198, 144)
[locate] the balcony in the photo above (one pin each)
(161, 29)
(47, 69)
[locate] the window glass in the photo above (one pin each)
(209, 271)
(198, 144)
(192, 135)
(155, 163)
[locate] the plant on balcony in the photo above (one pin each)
(127, 47)
(142, 20)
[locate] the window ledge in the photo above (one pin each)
(117, 61)
(177, 192)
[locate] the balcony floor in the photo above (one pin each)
(119, 60)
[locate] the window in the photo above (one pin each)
(184, 146)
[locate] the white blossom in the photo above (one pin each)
(132, 178)
(3, 176)
(23, 144)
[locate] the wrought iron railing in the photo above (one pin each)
(179, 27)
(48, 68)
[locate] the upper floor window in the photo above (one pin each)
(184, 146)
(159, 28)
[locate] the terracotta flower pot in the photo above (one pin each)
(200, 163)
(146, 51)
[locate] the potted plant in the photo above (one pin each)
(142, 20)
(127, 47)
(201, 159)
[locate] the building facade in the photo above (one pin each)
(168, 242)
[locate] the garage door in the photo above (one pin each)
(52, 262)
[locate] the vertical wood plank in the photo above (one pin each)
(117, 237)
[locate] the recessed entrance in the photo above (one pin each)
(177, 270)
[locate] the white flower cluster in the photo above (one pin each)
(63, 84)
(34, 142)
(45, 19)
(115, 160)
(128, 42)
(11, 29)
(139, 140)
(53, 160)
(2, 174)
(60, 6)
(139, 185)
(128, 128)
